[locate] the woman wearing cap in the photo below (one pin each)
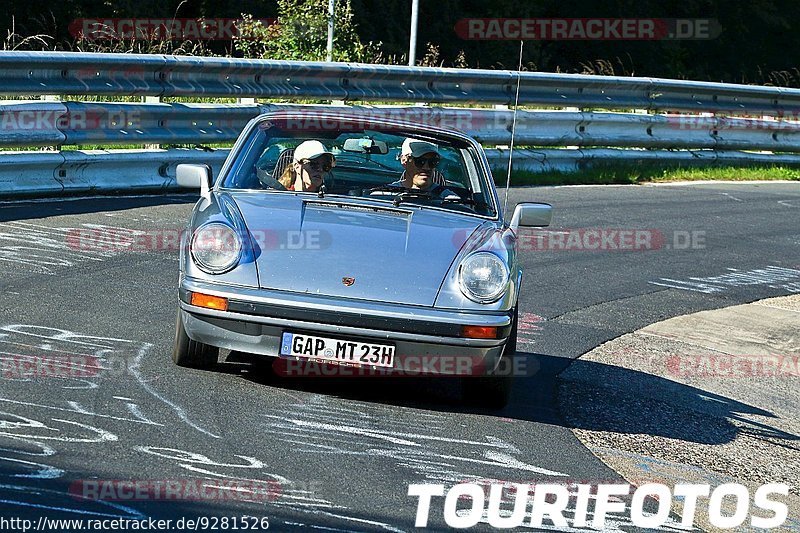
(310, 163)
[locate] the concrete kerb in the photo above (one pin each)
(710, 398)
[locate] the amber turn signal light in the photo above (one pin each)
(210, 302)
(479, 332)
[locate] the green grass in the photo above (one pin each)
(627, 174)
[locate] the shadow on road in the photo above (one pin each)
(42, 208)
(601, 397)
(642, 403)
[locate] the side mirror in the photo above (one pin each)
(531, 215)
(194, 177)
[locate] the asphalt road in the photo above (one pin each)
(336, 454)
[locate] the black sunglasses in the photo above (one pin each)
(431, 162)
(316, 165)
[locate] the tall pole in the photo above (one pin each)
(331, 8)
(412, 45)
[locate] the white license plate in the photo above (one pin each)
(336, 350)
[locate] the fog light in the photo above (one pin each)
(209, 301)
(479, 332)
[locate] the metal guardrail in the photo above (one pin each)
(597, 135)
(96, 171)
(25, 174)
(115, 123)
(74, 123)
(37, 73)
(579, 159)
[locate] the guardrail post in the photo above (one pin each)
(501, 107)
(152, 100)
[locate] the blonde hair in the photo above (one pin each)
(288, 177)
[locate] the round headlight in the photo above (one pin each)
(483, 277)
(216, 248)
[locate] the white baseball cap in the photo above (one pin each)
(417, 148)
(310, 150)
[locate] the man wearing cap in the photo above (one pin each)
(310, 163)
(420, 159)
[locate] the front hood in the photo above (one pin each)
(352, 248)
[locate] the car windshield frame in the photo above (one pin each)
(463, 151)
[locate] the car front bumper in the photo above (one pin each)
(426, 340)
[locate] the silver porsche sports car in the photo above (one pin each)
(360, 243)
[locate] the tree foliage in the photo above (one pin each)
(301, 33)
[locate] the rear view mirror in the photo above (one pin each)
(194, 177)
(365, 146)
(531, 215)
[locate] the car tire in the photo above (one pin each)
(493, 391)
(189, 353)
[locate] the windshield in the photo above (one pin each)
(380, 164)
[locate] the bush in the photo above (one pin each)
(301, 33)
